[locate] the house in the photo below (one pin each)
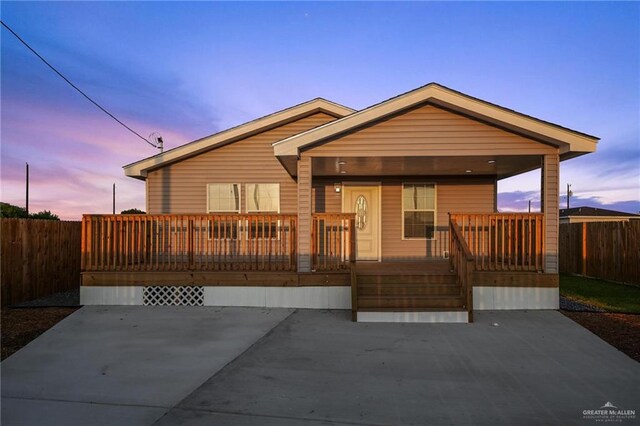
(389, 211)
(594, 214)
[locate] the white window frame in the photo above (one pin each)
(275, 237)
(210, 230)
(239, 186)
(247, 197)
(434, 210)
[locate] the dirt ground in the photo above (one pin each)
(619, 330)
(20, 326)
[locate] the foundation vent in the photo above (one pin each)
(164, 295)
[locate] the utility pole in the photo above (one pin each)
(529, 206)
(569, 194)
(27, 190)
(114, 198)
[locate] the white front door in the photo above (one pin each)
(364, 201)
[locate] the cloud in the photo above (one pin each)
(74, 159)
(518, 201)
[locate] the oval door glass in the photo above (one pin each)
(361, 212)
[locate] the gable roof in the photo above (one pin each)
(140, 168)
(570, 142)
(594, 212)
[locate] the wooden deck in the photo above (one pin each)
(261, 251)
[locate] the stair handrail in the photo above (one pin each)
(462, 263)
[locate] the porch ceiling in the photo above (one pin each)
(500, 166)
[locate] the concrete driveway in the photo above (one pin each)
(233, 366)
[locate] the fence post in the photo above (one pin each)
(584, 248)
(190, 243)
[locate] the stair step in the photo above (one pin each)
(406, 279)
(413, 302)
(412, 310)
(407, 290)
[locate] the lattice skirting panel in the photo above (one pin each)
(173, 295)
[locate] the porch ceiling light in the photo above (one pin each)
(337, 187)
(342, 163)
(342, 172)
(468, 171)
(491, 161)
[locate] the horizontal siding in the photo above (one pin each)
(429, 130)
(181, 187)
(551, 188)
(468, 195)
(304, 207)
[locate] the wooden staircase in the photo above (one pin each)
(408, 287)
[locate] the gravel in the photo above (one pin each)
(571, 305)
(64, 299)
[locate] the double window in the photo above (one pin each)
(260, 198)
(418, 210)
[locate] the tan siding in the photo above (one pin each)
(304, 214)
(324, 198)
(429, 130)
(550, 195)
(181, 187)
(469, 195)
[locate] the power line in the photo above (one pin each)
(73, 85)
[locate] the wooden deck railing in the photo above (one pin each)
(333, 241)
(461, 260)
(504, 241)
(218, 242)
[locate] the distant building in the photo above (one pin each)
(594, 214)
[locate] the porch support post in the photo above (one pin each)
(304, 214)
(550, 193)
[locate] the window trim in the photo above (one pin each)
(225, 211)
(246, 198)
(435, 211)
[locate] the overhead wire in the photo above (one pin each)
(73, 85)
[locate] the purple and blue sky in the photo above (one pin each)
(187, 70)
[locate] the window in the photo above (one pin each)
(223, 198)
(263, 197)
(418, 210)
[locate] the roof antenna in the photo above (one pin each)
(155, 139)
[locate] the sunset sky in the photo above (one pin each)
(187, 70)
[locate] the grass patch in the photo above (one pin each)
(610, 296)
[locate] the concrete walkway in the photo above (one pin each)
(313, 368)
(121, 365)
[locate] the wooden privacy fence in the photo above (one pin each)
(503, 241)
(607, 250)
(39, 258)
(213, 242)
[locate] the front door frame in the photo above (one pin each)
(378, 184)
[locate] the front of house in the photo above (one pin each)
(389, 211)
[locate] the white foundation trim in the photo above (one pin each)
(498, 298)
(315, 297)
(422, 317)
(111, 295)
